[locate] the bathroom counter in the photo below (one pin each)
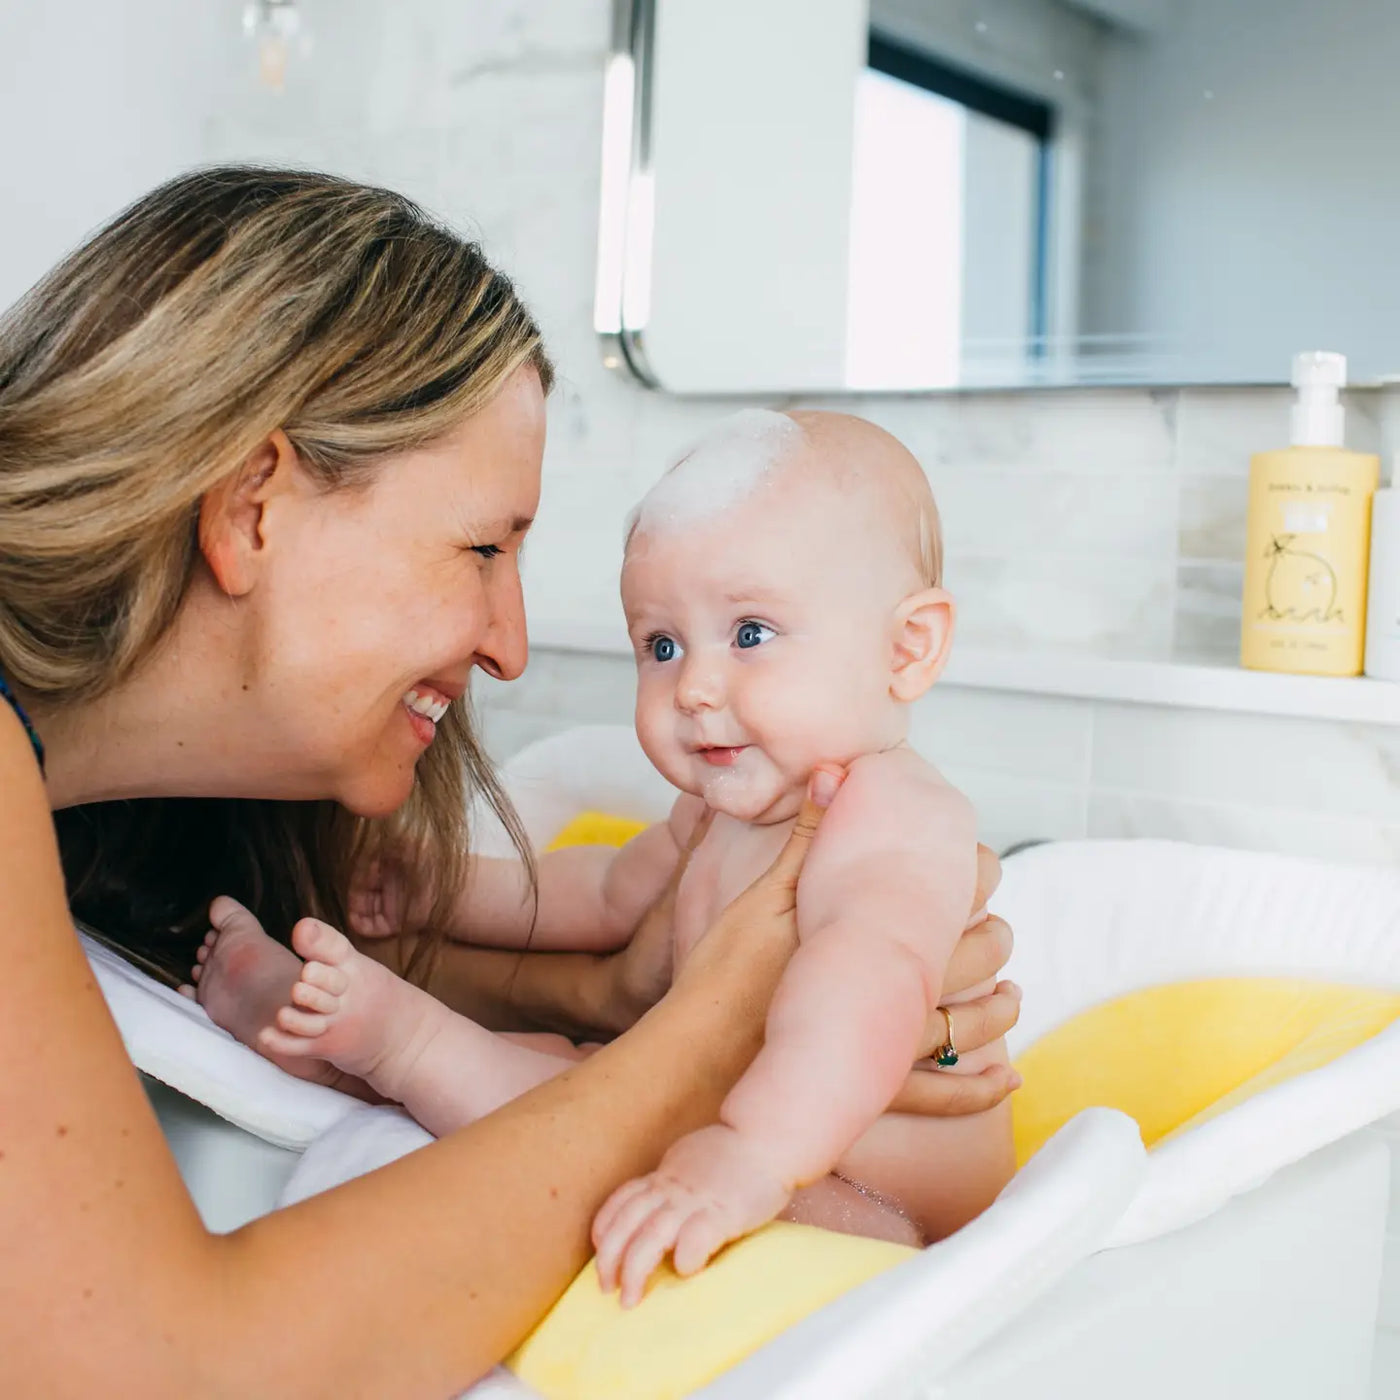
(1191, 684)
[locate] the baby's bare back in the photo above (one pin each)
(937, 1173)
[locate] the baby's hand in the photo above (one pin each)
(375, 908)
(712, 1187)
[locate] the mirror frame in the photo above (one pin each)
(622, 292)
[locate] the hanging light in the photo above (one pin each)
(275, 27)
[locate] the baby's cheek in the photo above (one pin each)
(811, 716)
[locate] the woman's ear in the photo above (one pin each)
(233, 514)
(923, 634)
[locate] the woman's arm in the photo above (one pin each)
(590, 997)
(410, 1281)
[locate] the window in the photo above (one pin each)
(948, 222)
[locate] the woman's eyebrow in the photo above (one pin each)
(504, 525)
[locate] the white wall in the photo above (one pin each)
(1109, 522)
(98, 102)
(1249, 167)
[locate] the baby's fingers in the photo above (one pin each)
(611, 1237)
(649, 1246)
(699, 1238)
(611, 1208)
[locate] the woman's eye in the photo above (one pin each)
(487, 551)
(752, 634)
(662, 648)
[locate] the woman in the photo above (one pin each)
(269, 445)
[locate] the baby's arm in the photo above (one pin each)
(883, 899)
(591, 898)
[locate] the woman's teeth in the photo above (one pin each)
(431, 707)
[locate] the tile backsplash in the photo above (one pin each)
(1040, 767)
(1105, 521)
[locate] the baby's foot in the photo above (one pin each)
(242, 978)
(348, 1009)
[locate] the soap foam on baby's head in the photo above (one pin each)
(746, 454)
(725, 467)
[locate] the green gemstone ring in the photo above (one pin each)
(947, 1054)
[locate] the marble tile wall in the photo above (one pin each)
(1039, 767)
(1108, 521)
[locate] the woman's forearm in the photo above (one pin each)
(574, 994)
(411, 1281)
(422, 1275)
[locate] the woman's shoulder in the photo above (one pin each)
(28, 846)
(8, 698)
(21, 779)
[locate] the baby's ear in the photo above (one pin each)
(923, 633)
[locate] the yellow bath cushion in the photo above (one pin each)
(1175, 1055)
(1169, 1056)
(686, 1332)
(596, 829)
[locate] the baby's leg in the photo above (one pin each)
(242, 978)
(446, 1070)
(836, 1204)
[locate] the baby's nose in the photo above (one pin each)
(700, 686)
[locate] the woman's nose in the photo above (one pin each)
(505, 647)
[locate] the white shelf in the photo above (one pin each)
(1189, 684)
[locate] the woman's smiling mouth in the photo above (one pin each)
(426, 706)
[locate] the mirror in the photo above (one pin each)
(834, 195)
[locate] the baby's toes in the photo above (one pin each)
(318, 942)
(227, 913)
(272, 1041)
(304, 1023)
(310, 997)
(327, 978)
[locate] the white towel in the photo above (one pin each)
(172, 1039)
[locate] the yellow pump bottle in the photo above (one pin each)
(1307, 538)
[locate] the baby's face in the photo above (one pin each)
(764, 645)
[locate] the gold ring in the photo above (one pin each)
(947, 1054)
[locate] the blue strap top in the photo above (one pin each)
(7, 695)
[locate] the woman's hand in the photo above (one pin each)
(755, 935)
(980, 954)
(641, 973)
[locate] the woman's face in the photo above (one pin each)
(382, 599)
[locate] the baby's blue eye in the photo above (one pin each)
(663, 648)
(752, 634)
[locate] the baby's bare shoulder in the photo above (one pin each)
(896, 851)
(894, 801)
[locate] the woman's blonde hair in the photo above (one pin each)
(145, 369)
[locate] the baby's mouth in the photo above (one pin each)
(721, 757)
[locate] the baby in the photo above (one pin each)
(782, 591)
